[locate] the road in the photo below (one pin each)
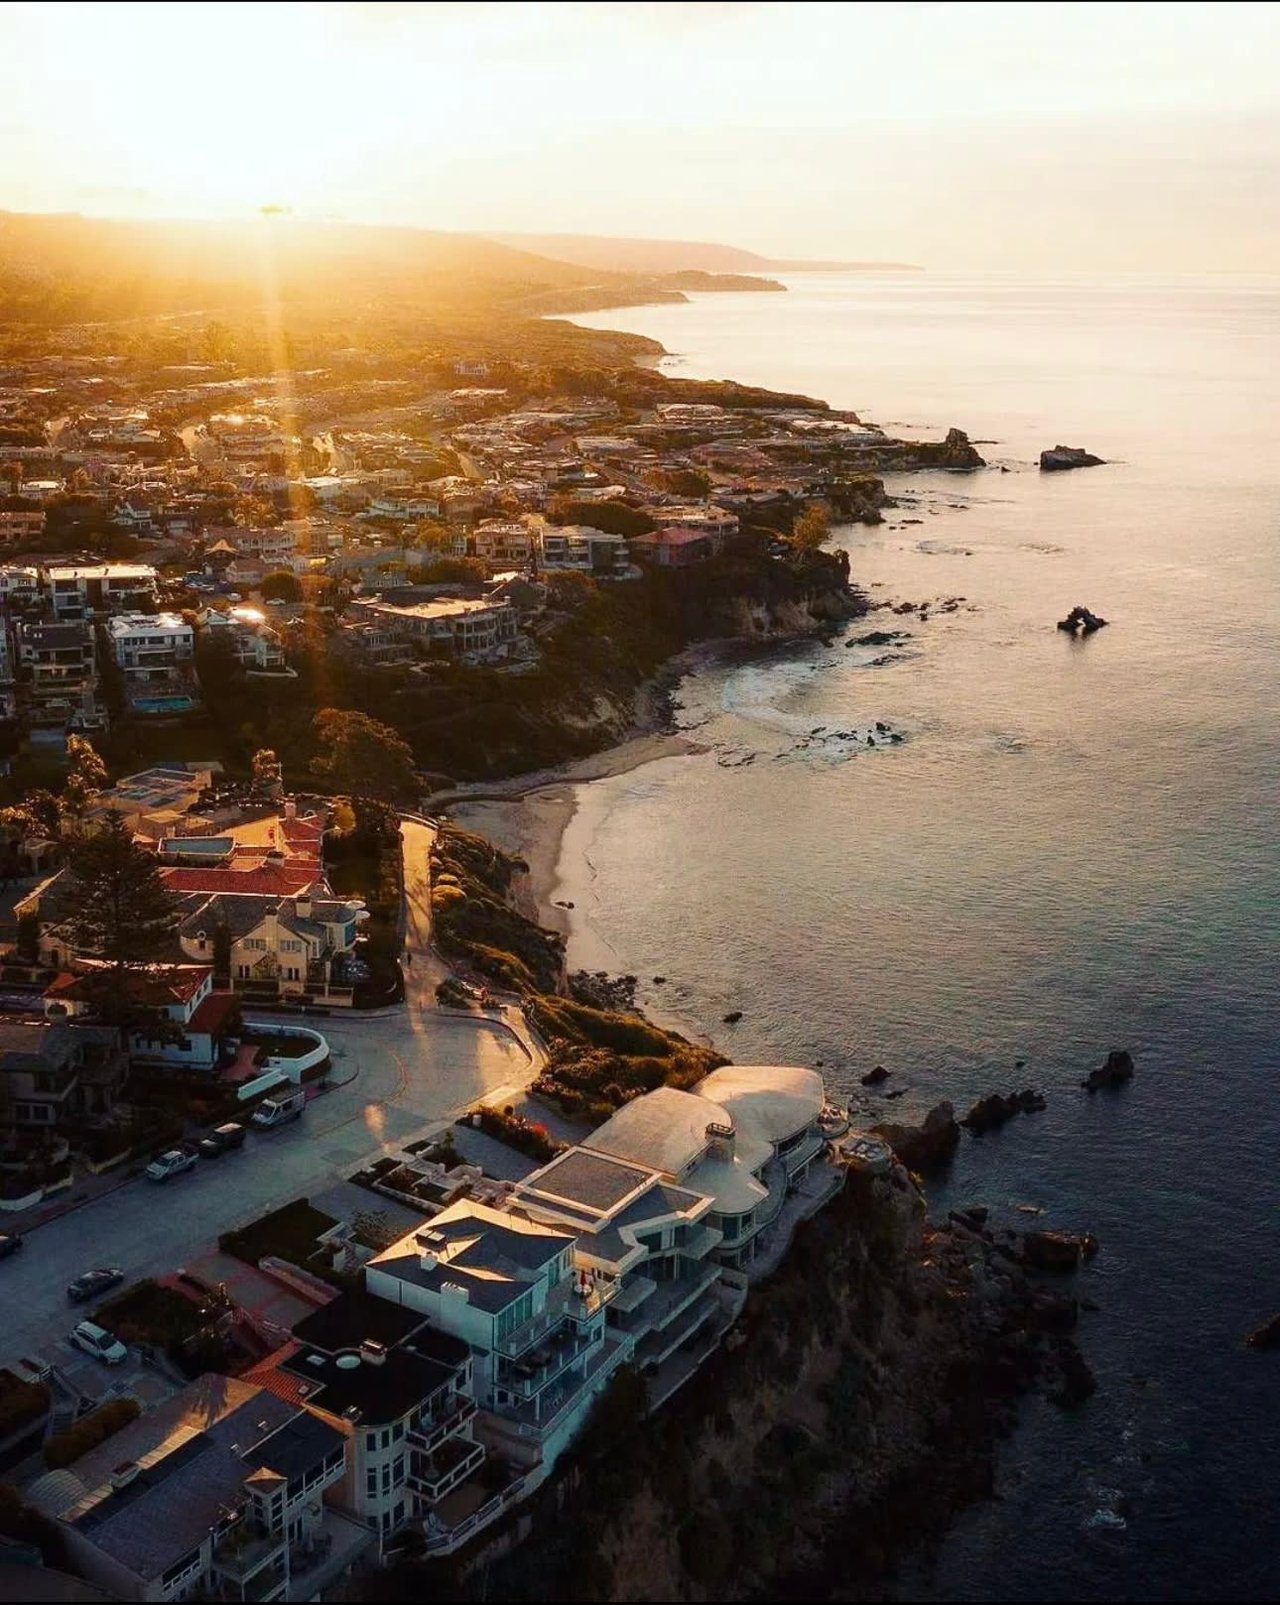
(402, 1069)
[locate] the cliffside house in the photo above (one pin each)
(151, 647)
(223, 1491)
(184, 994)
(463, 627)
(399, 1392)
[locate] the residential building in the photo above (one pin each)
(502, 545)
(55, 1071)
(183, 994)
(749, 1137)
(19, 585)
(671, 548)
(648, 1247)
(150, 646)
(21, 526)
(456, 624)
(60, 658)
(223, 1491)
(702, 518)
(273, 544)
(531, 1310)
(580, 547)
(296, 946)
(258, 648)
(399, 1391)
(79, 591)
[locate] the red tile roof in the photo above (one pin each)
(266, 1374)
(267, 880)
(211, 1014)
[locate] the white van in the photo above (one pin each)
(275, 1111)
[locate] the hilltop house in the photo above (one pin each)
(181, 992)
(293, 946)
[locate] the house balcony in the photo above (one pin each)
(537, 1368)
(683, 1327)
(804, 1152)
(564, 1303)
(430, 1434)
(249, 1563)
(535, 1418)
(327, 1554)
(470, 1506)
(433, 1476)
(670, 1299)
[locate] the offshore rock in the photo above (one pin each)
(1080, 618)
(927, 1146)
(1266, 1336)
(1056, 1250)
(1117, 1070)
(1064, 457)
(873, 1078)
(991, 1112)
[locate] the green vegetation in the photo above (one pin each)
(290, 1233)
(123, 915)
(361, 757)
(599, 1058)
(65, 1448)
(281, 586)
(525, 1136)
(150, 1313)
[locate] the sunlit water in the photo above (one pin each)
(1074, 848)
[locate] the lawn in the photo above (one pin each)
(150, 1313)
(287, 1233)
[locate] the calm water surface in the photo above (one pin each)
(1074, 848)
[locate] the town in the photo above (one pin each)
(411, 1232)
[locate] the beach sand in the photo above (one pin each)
(532, 819)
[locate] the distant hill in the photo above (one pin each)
(673, 256)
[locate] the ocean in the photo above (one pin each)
(1073, 848)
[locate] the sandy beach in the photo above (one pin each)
(531, 815)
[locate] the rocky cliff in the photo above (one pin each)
(856, 1408)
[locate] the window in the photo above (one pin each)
(371, 1484)
(371, 1440)
(514, 1315)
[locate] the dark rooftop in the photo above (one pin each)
(382, 1391)
(587, 1179)
(347, 1321)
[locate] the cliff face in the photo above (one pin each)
(859, 1408)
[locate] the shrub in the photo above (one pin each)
(65, 1448)
(21, 1403)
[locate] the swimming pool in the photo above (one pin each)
(163, 704)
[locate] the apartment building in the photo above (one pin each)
(61, 661)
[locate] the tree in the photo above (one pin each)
(360, 756)
(87, 777)
(281, 587)
(266, 770)
(123, 914)
(811, 529)
(614, 518)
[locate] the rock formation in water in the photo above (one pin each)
(1114, 1073)
(1057, 1250)
(1081, 619)
(925, 1147)
(1063, 457)
(991, 1112)
(1266, 1335)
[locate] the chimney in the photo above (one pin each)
(291, 809)
(302, 904)
(427, 1260)
(373, 1352)
(720, 1140)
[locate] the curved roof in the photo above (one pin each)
(730, 1184)
(770, 1102)
(665, 1129)
(56, 1491)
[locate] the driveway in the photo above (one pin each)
(396, 1073)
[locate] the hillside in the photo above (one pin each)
(57, 268)
(672, 256)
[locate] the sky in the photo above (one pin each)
(1038, 137)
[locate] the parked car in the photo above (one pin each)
(171, 1164)
(275, 1111)
(93, 1283)
(223, 1140)
(10, 1243)
(99, 1344)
